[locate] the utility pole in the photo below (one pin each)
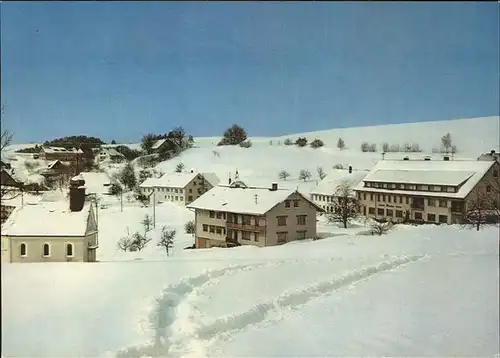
(154, 207)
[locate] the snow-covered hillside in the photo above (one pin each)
(417, 291)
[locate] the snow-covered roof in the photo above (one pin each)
(52, 163)
(95, 183)
(212, 178)
(112, 152)
(449, 173)
(47, 219)
(159, 143)
(61, 150)
(254, 201)
(170, 180)
(330, 183)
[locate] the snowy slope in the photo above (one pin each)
(417, 291)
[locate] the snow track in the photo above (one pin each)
(178, 332)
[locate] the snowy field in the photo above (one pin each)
(417, 291)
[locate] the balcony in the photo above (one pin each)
(253, 228)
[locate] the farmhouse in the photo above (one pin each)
(52, 231)
(323, 195)
(108, 154)
(425, 190)
(60, 153)
(240, 215)
(181, 188)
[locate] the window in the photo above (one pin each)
(205, 227)
(212, 229)
(176, 198)
(23, 250)
(69, 250)
(301, 219)
(383, 198)
(384, 185)
(450, 189)
(431, 202)
(401, 200)
(218, 230)
(407, 200)
(287, 203)
(389, 212)
(212, 214)
(431, 217)
(443, 203)
(371, 197)
(436, 188)
(190, 198)
(296, 203)
(399, 213)
(256, 237)
(301, 235)
(418, 216)
(379, 197)
(281, 220)
(246, 220)
(245, 235)
(371, 211)
(388, 198)
(219, 215)
(46, 250)
(495, 173)
(443, 219)
(380, 211)
(190, 190)
(488, 189)
(425, 187)
(282, 237)
(364, 196)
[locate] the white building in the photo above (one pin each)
(323, 194)
(181, 188)
(108, 154)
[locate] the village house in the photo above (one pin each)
(60, 153)
(95, 183)
(52, 231)
(108, 155)
(323, 194)
(180, 188)
(239, 215)
(424, 190)
(492, 155)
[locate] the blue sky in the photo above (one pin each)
(119, 70)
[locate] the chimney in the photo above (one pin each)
(446, 158)
(492, 153)
(427, 158)
(406, 158)
(350, 169)
(274, 186)
(76, 194)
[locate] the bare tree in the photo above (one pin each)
(283, 174)
(381, 228)
(446, 142)
(167, 239)
(483, 207)
(345, 204)
(304, 174)
(6, 135)
(321, 173)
